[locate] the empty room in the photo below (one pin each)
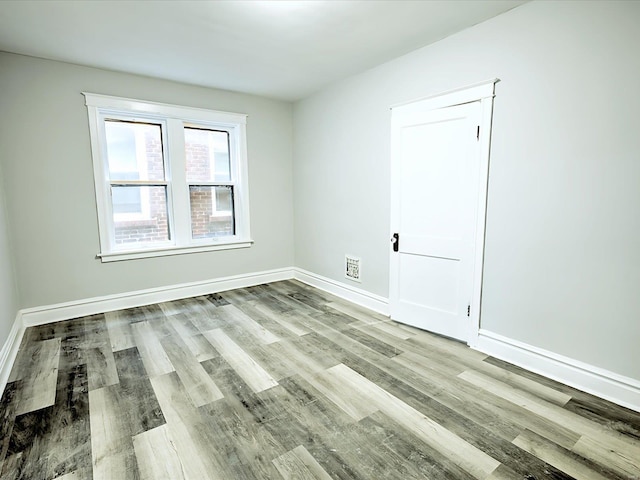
(321, 240)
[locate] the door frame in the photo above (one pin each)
(484, 93)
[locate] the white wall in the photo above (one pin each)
(46, 158)
(8, 290)
(562, 265)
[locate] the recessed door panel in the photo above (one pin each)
(441, 275)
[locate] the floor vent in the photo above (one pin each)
(352, 267)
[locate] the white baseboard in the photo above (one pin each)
(9, 350)
(611, 386)
(353, 294)
(108, 303)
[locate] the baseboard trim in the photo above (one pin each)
(356, 295)
(91, 306)
(624, 391)
(10, 349)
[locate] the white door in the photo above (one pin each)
(436, 163)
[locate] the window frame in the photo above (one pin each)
(173, 120)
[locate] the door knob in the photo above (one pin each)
(395, 240)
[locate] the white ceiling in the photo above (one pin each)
(281, 49)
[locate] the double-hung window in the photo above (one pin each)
(168, 179)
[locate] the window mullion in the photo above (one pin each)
(178, 190)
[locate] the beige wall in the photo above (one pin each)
(562, 264)
(8, 290)
(46, 158)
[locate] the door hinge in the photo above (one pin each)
(478, 133)
(468, 310)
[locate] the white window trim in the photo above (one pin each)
(173, 118)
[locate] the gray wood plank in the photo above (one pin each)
(301, 356)
(485, 439)
(68, 433)
(372, 342)
(247, 456)
(111, 444)
(198, 385)
(120, 333)
(135, 393)
(390, 328)
(153, 355)
(298, 464)
(563, 459)
(240, 324)
(235, 417)
(101, 366)
(506, 419)
(398, 450)
(256, 377)
(613, 417)
(193, 339)
(271, 321)
(622, 458)
(39, 383)
(156, 455)
(70, 476)
(359, 313)
(298, 416)
(187, 429)
(216, 299)
(473, 460)
(596, 441)
(8, 408)
(171, 308)
(54, 440)
(97, 353)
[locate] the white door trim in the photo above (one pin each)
(483, 92)
(470, 93)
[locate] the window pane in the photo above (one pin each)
(211, 211)
(126, 200)
(207, 153)
(134, 150)
(140, 215)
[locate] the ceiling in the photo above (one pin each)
(280, 49)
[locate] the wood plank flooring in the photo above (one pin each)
(283, 381)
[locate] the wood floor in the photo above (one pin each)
(285, 381)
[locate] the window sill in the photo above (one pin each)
(166, 251)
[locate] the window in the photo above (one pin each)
(168, 179)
